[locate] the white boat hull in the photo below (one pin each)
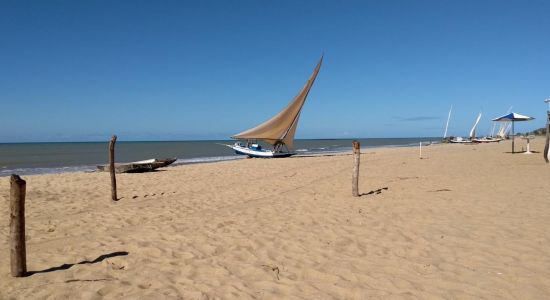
(484, 140)
(460, 140)
(260, 153)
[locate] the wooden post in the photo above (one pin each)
(356, 161)
(513, 137)
(547, 137)
(112, 167)
(420, 150)
(18, 253)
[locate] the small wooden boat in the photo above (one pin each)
(139, 166)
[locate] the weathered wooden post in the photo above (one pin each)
(420, 150)
(112, 167)
(547, 137)
(356, 161)
(18, 253)
(513, 137)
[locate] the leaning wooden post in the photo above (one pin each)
(18, 253)
(112, 167)
(547, 137)
(356, 160)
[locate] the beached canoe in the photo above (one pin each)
(139, 166)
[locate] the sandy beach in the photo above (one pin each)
(465, 222)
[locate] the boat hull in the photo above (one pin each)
(260, 153)
(487, 140)
(138, 166)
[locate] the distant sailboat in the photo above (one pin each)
(473, 131)
(504, 127)
(447, 125)
(501, 133)
(278, 131)
(472, 136)
(490, 138)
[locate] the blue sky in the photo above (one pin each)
(175, 70)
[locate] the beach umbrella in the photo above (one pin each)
(513, 117)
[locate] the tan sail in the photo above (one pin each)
(282, 127)
(289, 138)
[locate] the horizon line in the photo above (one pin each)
(207, 140)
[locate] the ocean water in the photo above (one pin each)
(43, 158)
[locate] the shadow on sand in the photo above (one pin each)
(85, 262)
(520, 152)
(378, 191)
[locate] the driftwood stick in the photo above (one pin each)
(547, 137)
(18, 253)
(112, 167)
(356, 161)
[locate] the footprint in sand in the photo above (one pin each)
(274, 269)
(144, 286)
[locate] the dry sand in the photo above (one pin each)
(468, 222)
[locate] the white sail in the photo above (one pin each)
(504, 126)
(447, 125)
(507, 128)
(473, 131)
(501, 133)
(281, 128)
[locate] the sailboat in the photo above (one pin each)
(278, 131)
(460, 140)
(504, 129)
(490, 138)
(501, 133)
(447, 125)
(445, 139)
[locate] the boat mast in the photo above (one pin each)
(473, 131)
(447, 125)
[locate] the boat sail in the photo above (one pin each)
(503, 130)
(473, 131)
(447, 125)
(278, 131)
(472, 137)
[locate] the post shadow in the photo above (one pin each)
(84, 262)
(377, 191)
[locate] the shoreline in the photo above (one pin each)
(29, 171)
